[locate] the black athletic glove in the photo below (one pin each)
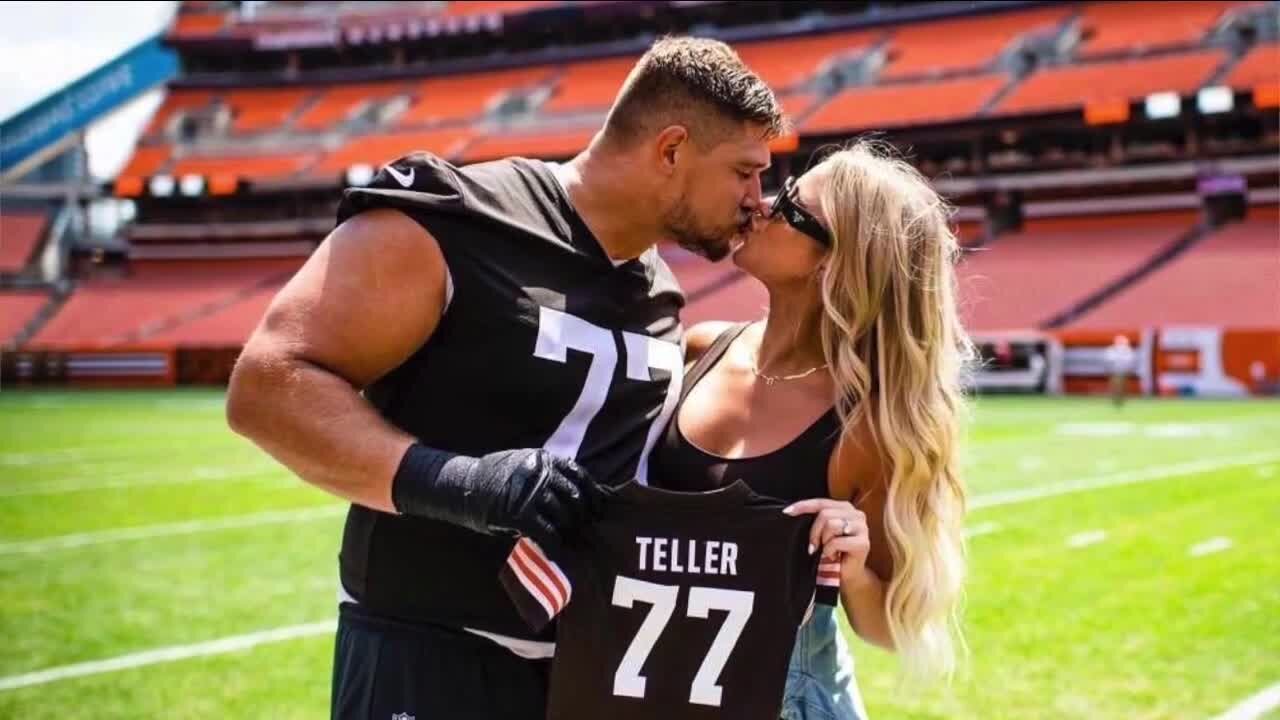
(528, 492)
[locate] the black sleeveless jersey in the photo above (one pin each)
(544, 343)
(681, 606)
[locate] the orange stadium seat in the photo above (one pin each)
(1190, 289)
(477, 7)
(156, 292)
(934, 46)
(17, 308)
(590, 85)
(787, 62)
(225, 326)
(1075, 85)
(1260, 67)
(556, 144)
(1139, 26)
(177, 101)
(914, 103)
(258, 109)
(1024, 278)
(147, 160)
(462, 97)
(377, 150)
(337, 103)
(256, 167)
(20, 233)
(197, 24)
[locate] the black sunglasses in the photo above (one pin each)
(796, 216)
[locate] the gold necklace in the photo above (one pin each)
(771, 379)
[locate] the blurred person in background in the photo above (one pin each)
(846, 398)
(1119, 359)
(395, 371)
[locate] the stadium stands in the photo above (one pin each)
(154, 295)
(1231, 277)
(1139, 27)
(294, 138)
(17, 308)
(1074, 85)
(1024, 278)
(932, 47)
(465, 97)
(790, 62)
(904, 104)
(377, 149)
(20, 233)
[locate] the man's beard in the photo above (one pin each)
(683, 226)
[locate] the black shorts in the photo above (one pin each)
(386, 669)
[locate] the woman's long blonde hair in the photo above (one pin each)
(892, 335)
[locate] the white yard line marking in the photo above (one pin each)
(1210, 546)
(167, 654)
(1254, 706)
(125, 481)
(274, 517)
(1128, 477)
(1085, 539)
(982, 529)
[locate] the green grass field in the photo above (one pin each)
(133, 522)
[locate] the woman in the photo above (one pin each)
(846, 398)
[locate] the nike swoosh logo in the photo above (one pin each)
(405, 179)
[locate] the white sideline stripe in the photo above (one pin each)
(167, 654)
(54, 487)
(1128, 477)
(142, 532)
(285, 516)
(1085, 539)
(1212, 545)
(1254, 706)
(981, 529)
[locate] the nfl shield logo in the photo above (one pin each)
(401, 716)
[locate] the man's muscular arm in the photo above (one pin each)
(370, 295)
(365, 301)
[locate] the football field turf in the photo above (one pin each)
(1125, 564)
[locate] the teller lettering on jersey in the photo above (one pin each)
(845, 400)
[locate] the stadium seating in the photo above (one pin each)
(789, 62)
(549, 144)
(1024, 278)
(153, 295)
(589, 85)
(933, 47)
(339, 102)
(378, 149)
(177, 101)
(1072, 86)
(224, 326)
(1230, 278)
(147, 160)
(17, 308)
(465, 97)
(903, 104)
(20, 233)
(263, 109)
(1260, 66)
(256, 167)
(1137, 27)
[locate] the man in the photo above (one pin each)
(1119, 357)
(469, 347)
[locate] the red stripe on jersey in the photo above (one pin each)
(558, 580)
(529, 577)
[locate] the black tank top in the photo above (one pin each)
(796, 471)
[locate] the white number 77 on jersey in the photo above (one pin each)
(628, 681)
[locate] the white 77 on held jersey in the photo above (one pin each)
(683, 606)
